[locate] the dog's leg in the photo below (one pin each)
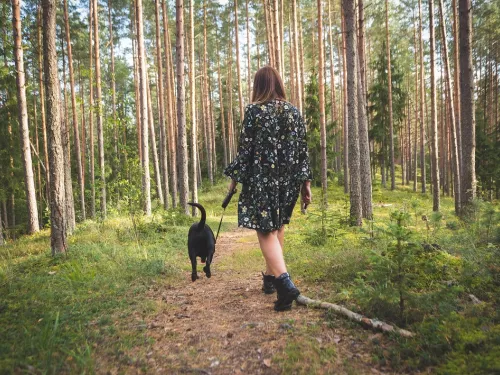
(206, 269)
(194, 274)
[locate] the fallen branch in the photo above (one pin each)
(363, 320)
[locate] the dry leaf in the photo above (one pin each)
(267, 362)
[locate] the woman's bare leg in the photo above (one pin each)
(273, 253)
(281, 237)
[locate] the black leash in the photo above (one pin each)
(224, 205)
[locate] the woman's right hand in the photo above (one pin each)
(232, 186)
(306, 194)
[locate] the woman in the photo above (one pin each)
(273, 166)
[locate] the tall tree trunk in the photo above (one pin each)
(277, 41)
(192, 98)
(467, 118)
(322, 114)
(296, 55)
(76, 132)
(42, 105)
(91, 111)
(451, 108)
(100, 125)
(238, 70)
(181, 118)
(456, 83)
(389, 82)
(154, 150)
(70, 204)
(249, 69)
(352, 103)
(344, 96)
(221, 104)
(364, 145)
(417, 118)
(301, 54)
(57, 194)
(22, 109)
(161, 109)
(434, 125)
(143, 91)
(169, 83)
(422, 101)
(113, 92)
(206, 102)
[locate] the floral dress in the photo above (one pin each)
(271, 164)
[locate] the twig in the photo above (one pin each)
(351, 315)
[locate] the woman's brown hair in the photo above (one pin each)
(267, 85)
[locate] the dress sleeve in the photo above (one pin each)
(304, 172)
(240, 167)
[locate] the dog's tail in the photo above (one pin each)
(201, 225)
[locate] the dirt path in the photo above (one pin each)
(226, 325)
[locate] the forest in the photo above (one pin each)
(115, 114)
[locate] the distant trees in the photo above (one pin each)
(388, 76)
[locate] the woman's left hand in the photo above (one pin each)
(232, 185)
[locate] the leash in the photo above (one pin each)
(224, 205)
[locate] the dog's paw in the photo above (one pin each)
(207, 271)
(194, 277)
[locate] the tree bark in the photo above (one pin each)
(100, 125)
(161, 109)
(389, 80)
(322, 114)
(467, 116)
(249, 68)
(344, 96)
(154, 150)
(364, 145)
(91, 111)
(299, 81)
(169, 83)
(181, 118)
(113, 93)
(356, 212)
(434, 125)
(451, 108)
(422, 101)
(192, 98)
(456, 83)
(56, 155)
(143, 92)
(22, 109)
(76, 132)
(277, 41)
(236, 38)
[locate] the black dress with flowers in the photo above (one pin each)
(271, 164)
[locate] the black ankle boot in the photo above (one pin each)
(268, 284)
(287, 292)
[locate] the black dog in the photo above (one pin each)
(201, 243)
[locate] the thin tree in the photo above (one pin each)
(345, 106)
(161, 109)
(192, 98)
(206, 101)
(322, 114)
(467, 117)
(143, 92)
(100, 125)
(364, 145)
(422, 101)
(456, 83)
(113, 88)
(91, 111)
(352, 103)
(434, 125)
(169, 90)
(276, 31)
(42, 102)
(296, 54)
(238, 70)
(154, 150)
(181, 117)
(76, 131)
(57, 194)
(22, 110)
(451, 110)
(389, 82)
(249, 68)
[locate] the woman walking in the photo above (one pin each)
(272, 165)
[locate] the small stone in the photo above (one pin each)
(285, 326)
(267, 362)
(229, 335)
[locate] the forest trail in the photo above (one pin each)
(226, 325)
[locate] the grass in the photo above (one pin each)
(56, 312)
